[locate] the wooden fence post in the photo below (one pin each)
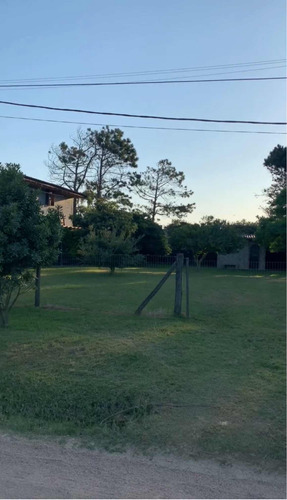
(156, 289)
(37, 286)
(187, 286)
(178, 284)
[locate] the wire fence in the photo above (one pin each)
(158, 261)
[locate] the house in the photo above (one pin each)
(51, 195)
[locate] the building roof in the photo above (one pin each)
(48, 186)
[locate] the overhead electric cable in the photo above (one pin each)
(155, 72)
(129, 115)
(231, 72)
(145, 82)
(142, 126)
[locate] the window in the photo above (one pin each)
(50, 199)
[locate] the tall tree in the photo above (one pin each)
(99, 159)
(160, 188)
(272, 228)
(276, 164)
(27, 237)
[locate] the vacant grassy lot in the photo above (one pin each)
(213, 385)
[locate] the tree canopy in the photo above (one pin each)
(276, 165)
(107, 235)
(27, 237)
(160, 188)
(272, 229)
(152, 239)
(105, 215)
(99, 160)
(210, 235)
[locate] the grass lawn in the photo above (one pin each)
(213, 385)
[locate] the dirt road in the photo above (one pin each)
(41, 469)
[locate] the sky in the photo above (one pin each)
(43, 40)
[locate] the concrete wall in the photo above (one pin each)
(240, 259)
(66, 204)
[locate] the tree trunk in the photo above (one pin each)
(198, 261)
(100, 180)
(74, 206)
(178, 284)
(4, 318)
(37, 286)
(154, 206)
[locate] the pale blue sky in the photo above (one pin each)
(40, 39)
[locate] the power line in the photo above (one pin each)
(128, 115)
(158, 71)
(237, 71)
(152, 82)
(142, 127)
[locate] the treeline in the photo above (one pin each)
(106, 234)
(123, 205)
(103, 164)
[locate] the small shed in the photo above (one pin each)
(251, 256)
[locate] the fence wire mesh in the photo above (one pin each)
(155, 261)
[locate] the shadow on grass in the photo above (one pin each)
(70, 370)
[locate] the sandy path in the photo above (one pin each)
(41, 469)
